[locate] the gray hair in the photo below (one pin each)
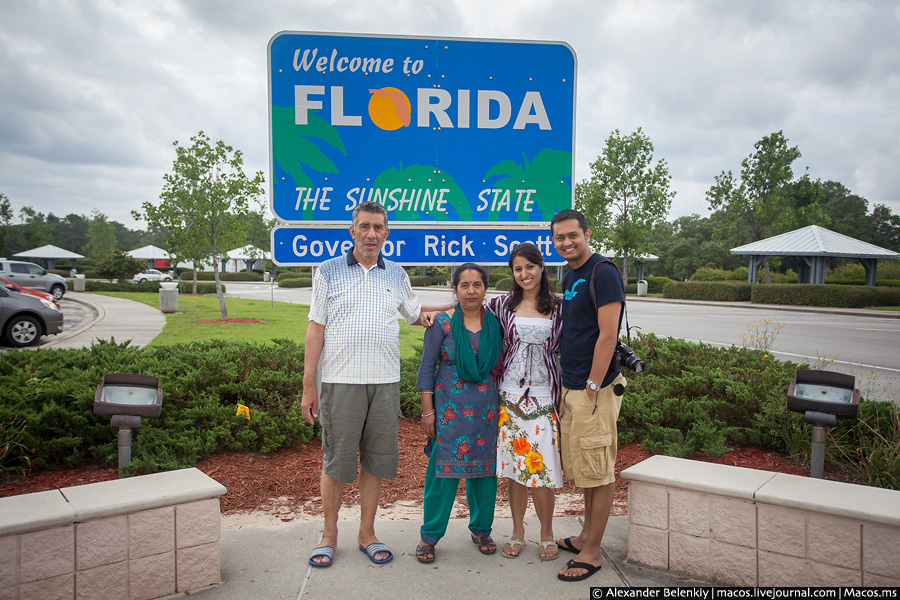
(370, 207)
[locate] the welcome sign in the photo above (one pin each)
(437, 130)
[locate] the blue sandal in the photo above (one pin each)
(327, 551)
(375, 548)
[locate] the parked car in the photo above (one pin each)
(36, 293)
(32, 276)
(24, 319)
(151, 275)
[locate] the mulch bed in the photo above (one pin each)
(287, 480)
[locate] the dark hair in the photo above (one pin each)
(371, 207)
(546, 298)
(465, 267)
(565, 215)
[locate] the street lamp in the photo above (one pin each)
(126, 398)
(823, 397)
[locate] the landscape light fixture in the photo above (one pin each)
(126, 398)
(823, 397)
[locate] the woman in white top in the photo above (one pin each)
(528, 438)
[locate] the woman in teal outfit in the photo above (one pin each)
(459, 413)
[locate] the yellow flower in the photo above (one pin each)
(534, 461)
(504, 416)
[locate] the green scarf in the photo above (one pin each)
(468, 367)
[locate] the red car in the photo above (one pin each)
(18, 288)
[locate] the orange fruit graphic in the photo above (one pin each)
(389, 108)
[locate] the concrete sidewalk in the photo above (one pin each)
(272, 563)
(108, 317)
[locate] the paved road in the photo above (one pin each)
(859, 344)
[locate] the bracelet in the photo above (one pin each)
(428, 414)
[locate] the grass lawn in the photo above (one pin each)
(278, 321)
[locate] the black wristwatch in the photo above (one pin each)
(592, 386)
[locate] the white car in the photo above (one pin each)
(151, 275)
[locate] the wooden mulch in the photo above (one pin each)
(287, 480)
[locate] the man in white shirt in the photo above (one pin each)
(353, 332)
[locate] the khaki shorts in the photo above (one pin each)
(589, 441)
(363, 419)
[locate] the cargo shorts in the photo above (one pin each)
(589, 440)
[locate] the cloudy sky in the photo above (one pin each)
(94, 92)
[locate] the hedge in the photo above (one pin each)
(724, 291)
(880, 283)
(295, 282)
(840, 296)
(185, 287)
(239, 276)
(282, 276)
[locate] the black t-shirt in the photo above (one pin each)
(579, 327)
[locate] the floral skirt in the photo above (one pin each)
(528, 441)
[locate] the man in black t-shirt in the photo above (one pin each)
(592, 386)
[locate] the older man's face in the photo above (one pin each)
(369, 234)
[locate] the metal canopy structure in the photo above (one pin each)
(813, 246)
(249, 254)
(149, 253)
(50, 253)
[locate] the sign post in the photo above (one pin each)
(441, 131)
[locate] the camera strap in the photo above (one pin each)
(593, 293)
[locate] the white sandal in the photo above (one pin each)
(521, 544)
(544, 546)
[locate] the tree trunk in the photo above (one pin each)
(219, 293)
(195, 281)
(767, 269)
(625, 266)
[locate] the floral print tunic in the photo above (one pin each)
(465, 413)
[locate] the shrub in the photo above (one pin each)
(295, 282)
(51, 394)
(707, 274)
(419, 281)
(505, 284)
(826, 295)
(119, 265)
(723, 291)
(502, 283)
(282, 276)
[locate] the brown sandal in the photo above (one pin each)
(484, 541)
(422, 551)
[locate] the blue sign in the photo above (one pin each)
(435, 129)
(448, 245)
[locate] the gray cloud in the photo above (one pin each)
(94, 93)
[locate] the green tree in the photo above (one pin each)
(6, 218)
(101, 237)
(204, 203)
(755, 206)
(887, 227)
(626, 195)
(34, 231)
(118, 265)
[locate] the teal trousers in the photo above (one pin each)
(440, 493)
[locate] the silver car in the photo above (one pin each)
(151, 275)
(25, 318)
(32, 276)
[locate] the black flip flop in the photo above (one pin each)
(568, 546)
(573, 564)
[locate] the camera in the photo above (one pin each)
(624, 357)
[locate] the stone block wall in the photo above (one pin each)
(749, 528)
(150, 553)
